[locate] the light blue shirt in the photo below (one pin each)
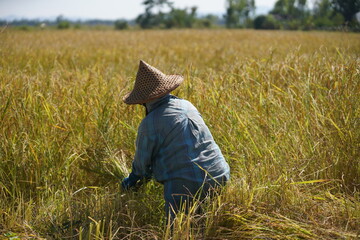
(174, 143)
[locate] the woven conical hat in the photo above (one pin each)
(150, 84)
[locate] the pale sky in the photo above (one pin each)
(104, 9)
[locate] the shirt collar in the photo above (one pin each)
(150, 106)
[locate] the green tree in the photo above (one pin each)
(283, 8)
(181, 18)
(62, 23)
(292, 14)
(154, 15)
(207, 22)
(323, 8)
(238, 12)
(290, 9)
(348, 8)
(325, 16)
(301, 6)
(265, 22)
(158, 5)
(121, 24)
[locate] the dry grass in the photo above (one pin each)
(283, 106)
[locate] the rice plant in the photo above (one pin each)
(284, 107)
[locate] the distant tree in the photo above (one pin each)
(231, 16)
(265, 22)
(77, 25)
(207, 22)
(24, 27)
(291, 14)
(325, 16)
(154, 15)
(62, 23)
(181, 18)
(3, 23)
(301, 6)
(159, 5)
(121, 24)
(259, 21)
(323, 8)
(238, 12)
(150, 20)
(282, 8)
(290, 9)
(348, 8)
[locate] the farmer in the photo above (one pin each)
(173, 144)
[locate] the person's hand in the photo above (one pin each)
(130, 182)
(125, 185)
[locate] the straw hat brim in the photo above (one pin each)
(140, 96)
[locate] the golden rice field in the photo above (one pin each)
(284, 107)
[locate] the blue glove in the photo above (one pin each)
(130, 181)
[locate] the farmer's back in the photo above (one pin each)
(176, 144)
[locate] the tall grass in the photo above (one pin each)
(284, 108)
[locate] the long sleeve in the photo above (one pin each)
(173, 142)
(145, 145)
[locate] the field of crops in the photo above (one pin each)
(284, 107)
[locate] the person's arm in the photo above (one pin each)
(141, 167)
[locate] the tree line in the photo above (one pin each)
(285, 14)
(294, 15)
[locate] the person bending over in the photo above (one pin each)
(173, 143)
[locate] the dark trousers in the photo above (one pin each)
(180, 194)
